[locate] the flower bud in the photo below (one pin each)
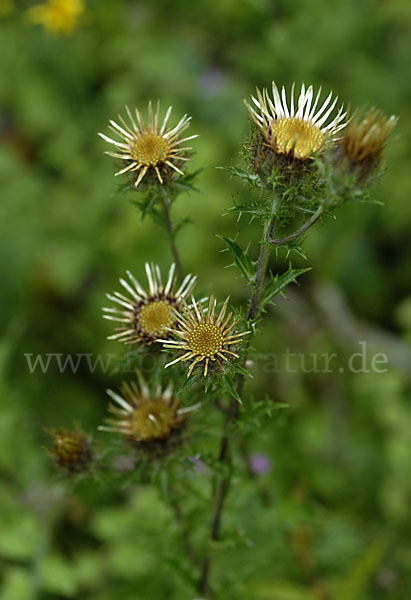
(71, 449)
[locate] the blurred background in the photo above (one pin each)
(327, 514)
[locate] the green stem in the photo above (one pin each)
(171, 235)
(289, 238)
(262, 264)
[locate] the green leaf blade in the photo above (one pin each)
(241, 259)
(278, 283)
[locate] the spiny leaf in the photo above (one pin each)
(241, 258)
(279, 282)
(255, 413)
(147, 205)
(187, 383)
(185, 183)
(251, 178)
(237, 368)
(230, 386)
(251, 208)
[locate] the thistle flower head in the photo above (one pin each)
(365, 137)
(144, 314)
(71, 449)
(203, 335)
(295, 131)
(149, 149)
(143, 415)
(57, 16)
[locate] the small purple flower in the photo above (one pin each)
(260, 464)
(211, 82)
(197, 464)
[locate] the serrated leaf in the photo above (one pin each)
(241, 258)
(279, 282)
(251, 178)
(257, 412)
(237, 368)
(184, 183)
(249, 208)
(229, 384)
(147, 204)
(188, 383)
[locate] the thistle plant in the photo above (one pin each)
(305, 157)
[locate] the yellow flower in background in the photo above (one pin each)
(6, 6)
(60, 17)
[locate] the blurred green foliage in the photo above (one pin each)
(331, 520)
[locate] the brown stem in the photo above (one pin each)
(220, 495)
(223, 482)
(288, 238)
(171, 235)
